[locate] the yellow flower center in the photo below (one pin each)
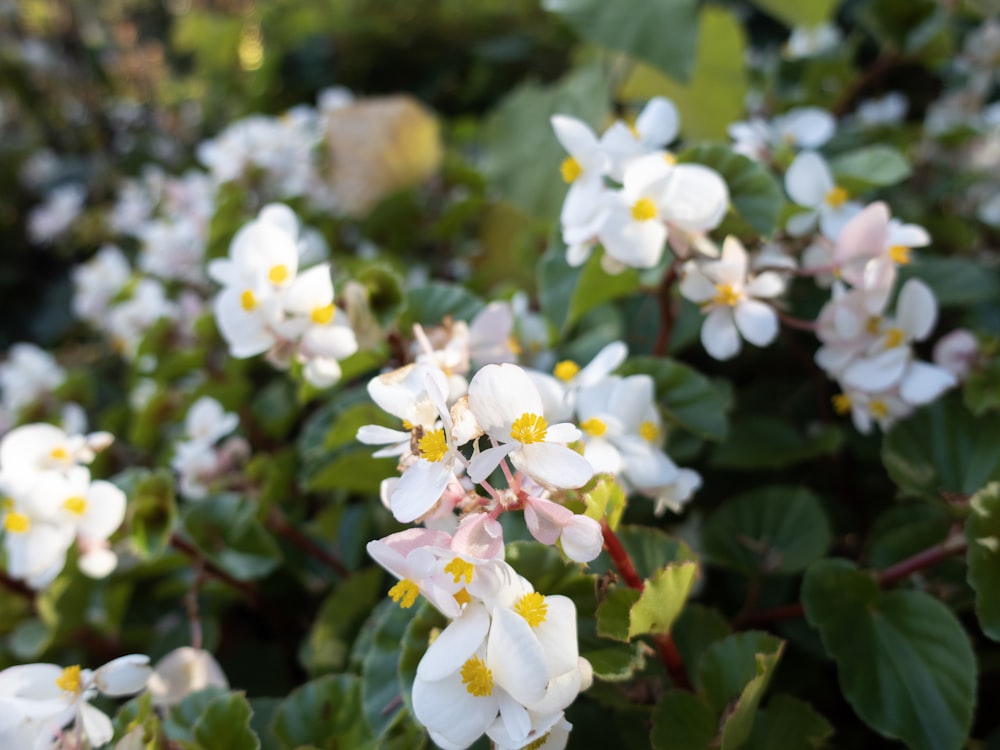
(76, 504)
(477, 677)
(462, 596)
(69, 679)
(322, 315)
(669, 158)
(59, 454)
(566, 370)
(536, 744)
(836, 197)
(725, 295)
(643, 210)
(532, 608)
(878, 408)
(899, 254)
(570, 169)
(460, 569)
(894, 337)
(649, 431)
(634, 130)
(7, 503)
(248, 301)
(404, 593)
(841, 403)
(594, 427)
(529, 428)
(16, 523)
(872, 324)
(278, 274)
(433, 446)
(514, 345)
(407, 424)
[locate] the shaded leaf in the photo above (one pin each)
(325, 713)
(788, 723)
(983, 533)
(761, 442)
(683, 721)
(662, 599)
(871, 166)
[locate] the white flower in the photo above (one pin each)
(97, 281)
(558, 391)
(402, 393)
(655, 127)
(207, 422)
(584, 169)
(729, 296)
(809, 41)
(53, 217)
(957, 352)
(810, 183)
(184, 671)
(128, 321)
(28, 375)
(509, 410)
(889, 109)
(802, 127)
(414, 556)
(548, 522)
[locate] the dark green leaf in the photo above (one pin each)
(326, 714)
(729, 665)
(794, 13)
(225, 725)
(613, 614)
(660, 32)
(904, 662)
(983, 533)
(152, 508)
(871, 166)
(696, 629)
(776, 529)
(760, 442)
(431, 303)
(683, 721)
(594, 287)
(954, 281)
(225, 529)
(790, 724)
(343, 611)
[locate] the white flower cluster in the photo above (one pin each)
(27, 377)
(47, 707)
(629, 194)
(51, 501)
(267, 304)
(196, 459)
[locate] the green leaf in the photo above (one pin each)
(740, 720)
(431, 303)
(522, 154)
(606, 500)
(775, 529)
(871, 166)
(718, 68)
(906, 529)
(983, 533)
(650, 549)
(225, 529)
(662, 599)
(326, 714)
(943, 448)
(659, 32)
(683, 721)
(729, 665)
(180, 721)
(758, 442)
(697, 628)
(152, 508)
(595, 286)
(225, 725)
(954, 281)
(982, 389)
(690, 399)
(414, 645)
(614, 613)
(329, 641)
(795, 13)
(755, 194)
(381, 694)
(790, 724)
(616, 662)
(904, 661)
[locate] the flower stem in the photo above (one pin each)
(797, 323)
(665, 646)
(666, 331)
(279, 524)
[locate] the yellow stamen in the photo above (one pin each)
(248, 301)
(899, 254)
(594, 427)
(649, 431)
(535, 744)
(872, 325)
(634, 130)
(514, 345)
(76, 504)
(566, 370)
(836, 197)
(669, 158)
(878, 408)
(16, 523)
(529, 428)
(462, 596)
(322, 315)
(643, 210)
(894, 337)
(460, 569)
(404, 593)
(278, 274)
(407, 424)
(69, 679)
(59, 454)
(433, 446)
(726, 295)
(570, 169)
(841, 403)
(7, 503)
(477, 677)
(532, 607)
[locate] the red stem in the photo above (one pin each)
(666, 331)
(665, 645)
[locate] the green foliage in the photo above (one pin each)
(432, 303)
(225, 529)
(326, 714)
(776, 529)
(872, 166)
(662, 598)
(338, 621)
(942, 449)
(954, 281)
(659, 32)
(152, 509)
(605, 501)
(904, 662)
(763, 442)
(983, 533)
(788, 723)
(793, 13)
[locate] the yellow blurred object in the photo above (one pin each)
(378, 146)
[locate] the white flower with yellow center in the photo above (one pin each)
(31, 449)
(656, 126)
(61, 696)
(403, 394)
(583, 170)
(415, 557)
(549, 522)
(558, 390)
(28, 375)
(509, 409)
(730, 298)
(810, 183)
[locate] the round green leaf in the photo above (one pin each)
(325, 713)
(904, 661)
(777, 529)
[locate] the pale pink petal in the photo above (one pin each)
(924, 382)
(808, 179)
(756, 321)
(916, 310)
(553, 465)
